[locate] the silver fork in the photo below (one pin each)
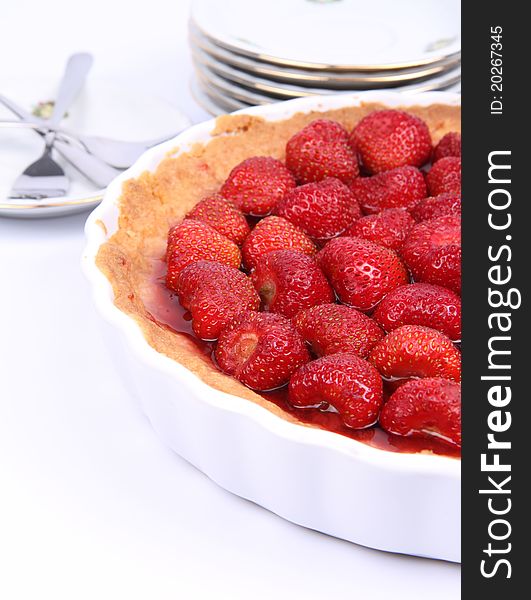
(44, 178)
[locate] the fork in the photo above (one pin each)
(45, 178)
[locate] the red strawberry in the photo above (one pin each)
(223, 216)
(274, 233)
(421, 304)
(333, 328)
(257, 184)
(426, 408)
(413, 351)
(402, 187)
(386, 139)
(388, 228)
(361, 272)
(445, 176)
(214, 294)
(289, 281)
(449, 145)
(321, 150)
(345, 382)
(432, 251)
(437, 206)
(193, 240)
(262, 350)
(322, 210)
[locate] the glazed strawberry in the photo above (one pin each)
(413, 351)
(421, 304)
(214, 294)
(345, 382)
(361, 272)
(274, 233)
(333, 328)
(432, 251)
(437, 206)
(257, 184)
(445, 176)
(449, 145)
(426, 408)
(223, 216)
(262, 350)
(388, 228)
(386, 139)
(402, 187)
(289, 281)
(322, 210)
(321, 150)
(193, 240)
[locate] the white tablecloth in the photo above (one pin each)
(92, 505)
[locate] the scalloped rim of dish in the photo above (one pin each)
(103, 222)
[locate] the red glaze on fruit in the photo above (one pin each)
(274, 233)
(432, 252)
(361, 272)
(333, 328)
(289, 281)
(345, 382)
(214, 294)
(257, 184)
(437, 206)
(192, 240)
(223, 216)
(321, 150)
(421, 304)
(388, 228)
(413, 351)
(427, 408)
(262, 350)
(449, 145)
(445, 176)
(402, 187)
(386, 139)
(322, 210)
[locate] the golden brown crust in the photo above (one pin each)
(152, 203)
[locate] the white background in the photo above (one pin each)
(92, 506)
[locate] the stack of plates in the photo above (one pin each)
(251, 52)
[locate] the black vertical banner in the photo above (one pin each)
(496, 273)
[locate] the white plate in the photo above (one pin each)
(408, 503)
(335, 34)
(102, 108)
(210, 101)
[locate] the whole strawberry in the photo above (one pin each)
(413, 351)
(421, 304)
(257, 184)
(333, 328)
(386, 139)
(388, 228)
(289, 281)
(262, 350)
(445, 176)
(214, 294)
(402, 187)
(432, 251)
(322, 210)
(345, 382)
(192, 240)
(449, 145)
(437, 206)
(274, 233)
(223, 216)
(321, 150)
(361, 272)
(425, 408)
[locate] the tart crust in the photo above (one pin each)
(152, 203)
